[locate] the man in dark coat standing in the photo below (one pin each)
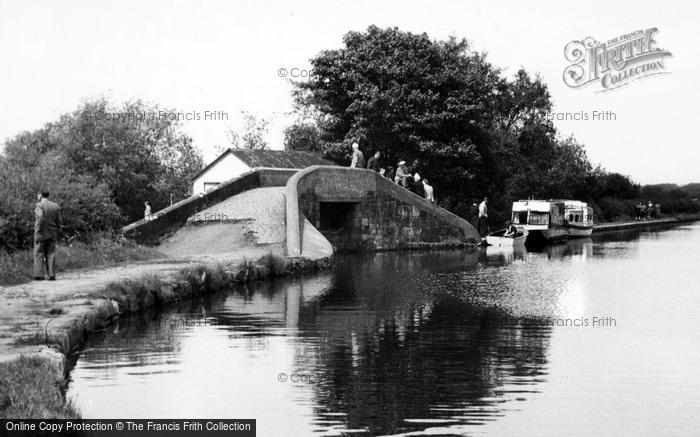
(373, 162)
(47, 225)
(417, 185)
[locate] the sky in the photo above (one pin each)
(228, 56)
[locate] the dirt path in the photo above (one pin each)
(26, 308)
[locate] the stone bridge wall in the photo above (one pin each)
(380, 214)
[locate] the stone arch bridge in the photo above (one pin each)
(320, 210)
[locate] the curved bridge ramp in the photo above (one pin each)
(359, 210)
(172, 218)
(253, 218)
(252, 222)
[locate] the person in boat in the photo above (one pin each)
(511, 230)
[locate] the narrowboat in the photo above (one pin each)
(553, 220)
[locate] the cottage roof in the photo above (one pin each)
(270, 159)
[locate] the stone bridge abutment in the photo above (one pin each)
(359, 210)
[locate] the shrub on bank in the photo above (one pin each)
(274, 264)
(609, 209)
(205, 277)
(136, 294)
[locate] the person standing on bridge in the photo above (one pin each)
(428, 189)
(389, 173)
(417, 185)
(47, 225)
(373, 162)
(147, 215)
(402, 174)
(358, 159)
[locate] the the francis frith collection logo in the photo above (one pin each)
(616, 62)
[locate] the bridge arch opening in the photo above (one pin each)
(336, 216)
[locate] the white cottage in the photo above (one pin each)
(235, 162)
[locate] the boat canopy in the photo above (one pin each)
(546, 205)
(575, 204)
(531, 205)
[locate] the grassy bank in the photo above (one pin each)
(104, 250)
(151, 290)
(30, 387)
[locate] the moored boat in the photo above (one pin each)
(553, 220)
(499, 239)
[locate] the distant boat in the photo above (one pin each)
(553, 220)
(499, 239)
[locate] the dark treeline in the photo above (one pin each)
(454, 118)
(100, 162)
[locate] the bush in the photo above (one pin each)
(85, 203)
(609, 209)
(205, 278)
(133, 293)
(275, 265)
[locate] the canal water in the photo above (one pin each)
(596, 336)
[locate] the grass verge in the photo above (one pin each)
(30, 387)
(104, 250)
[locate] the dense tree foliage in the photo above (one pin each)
(86, 204)
(450, 114)
(101, 163)
(303, 136)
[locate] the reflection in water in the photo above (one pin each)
(445, 342)
(406, 357)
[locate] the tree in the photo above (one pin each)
(435, 104)
(85, 201)
(136, 150)
(303, 137)
(253, 135)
